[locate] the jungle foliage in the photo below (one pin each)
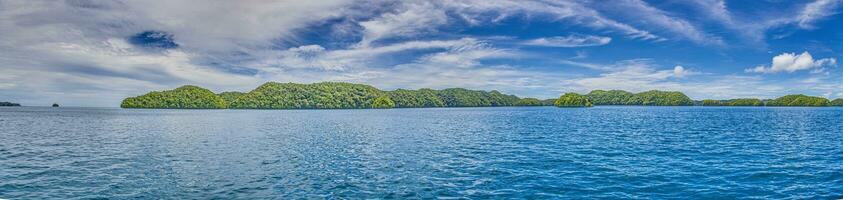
(325, 95)
(529, 102)
(648, 98)
(184, 97)
(573, 100)
(733, 102)
(799, 100)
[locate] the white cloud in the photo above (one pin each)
(650, 16)
(411, 19)
(641, 75)
(414, 18)
(679, 71)
(791, 62)
(576, 40)
(637, 75)
(817, 10)
(458, 53)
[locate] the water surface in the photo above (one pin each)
(479, 153)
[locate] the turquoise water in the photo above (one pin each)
(479, 153)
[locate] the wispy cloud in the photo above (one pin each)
(817, 10)
(648, 15)
(577, 40)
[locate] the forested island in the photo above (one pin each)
(337, 95)
(325, 95)
(8, 104)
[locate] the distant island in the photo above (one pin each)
(338, 95)
(8, 104)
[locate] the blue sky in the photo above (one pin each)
(95, 53)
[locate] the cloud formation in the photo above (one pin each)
(570, 41)
(76, 49)
(817, 10)
(791, 62)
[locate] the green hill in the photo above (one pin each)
(184, 97)
(733, 102)
(572, 100)
(799, 100)
(529, 102)
(611, 97)
(648, 98)
(422, 98)
(326, 95)
(459, 97)
(837, 102)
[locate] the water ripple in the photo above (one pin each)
(457, 153)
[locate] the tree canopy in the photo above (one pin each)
(529, 102)
(799, 100)
(648, 98)
(184, 97)
(459, 97)
(733, 102)
(383, 102)
(572, 100)
(337, 95)
(230, 97)
(421, 98)
(325, 95)
(611, 97)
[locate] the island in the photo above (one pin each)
(8, 104)
(733, 102)
(799, 100)
(55, 105)
(648, 98)
(572, 100)
(324, 95)
(340, 95)
(529, 102)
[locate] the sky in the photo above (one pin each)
(95, 53)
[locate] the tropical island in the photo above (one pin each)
(8, 104)
(338, 95)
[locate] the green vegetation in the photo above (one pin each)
(8, 104)
(230, 97)
(529, 102)
(745, 102)
(459, 97)
(733, 102)
(572, 100)
(185, 97)
(661, 98)
(422, 98)
(648, 98)
(799, 100)
(711, 102)
(326, 95)
(383, 102)
(611, 97)
(548, 102)
(334, 95)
